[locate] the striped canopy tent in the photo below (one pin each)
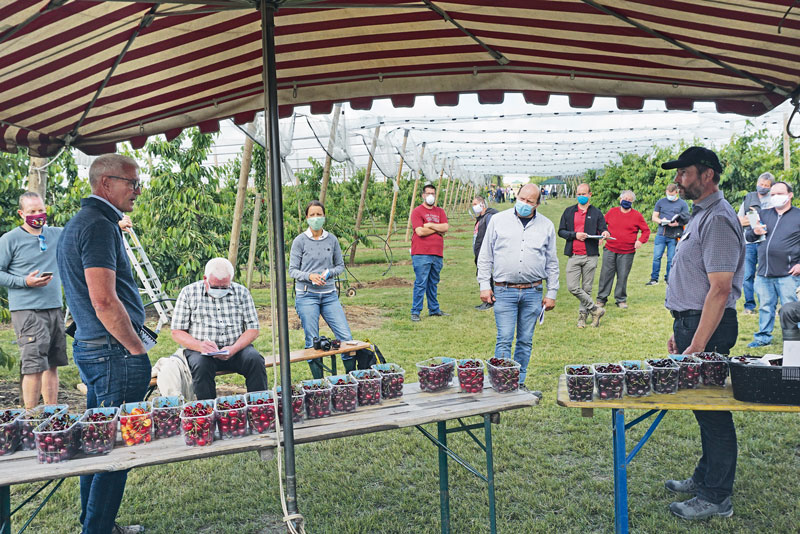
(90, 73)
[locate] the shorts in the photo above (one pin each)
(41, 339)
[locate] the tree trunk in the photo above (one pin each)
(251, 256)
(37, 176)
(413, 196)
(397, 181)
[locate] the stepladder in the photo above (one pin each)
(150, 282)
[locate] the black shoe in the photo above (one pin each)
(484, 306)
(439, 313)
(415, 317)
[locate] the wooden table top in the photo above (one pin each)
(703, 398)
(414, 408)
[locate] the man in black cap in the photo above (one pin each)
(705, 283)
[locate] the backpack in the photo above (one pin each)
(365, 358)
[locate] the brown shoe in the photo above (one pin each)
(623, 305)
(597, 313)
(582, 320)
(600, 304)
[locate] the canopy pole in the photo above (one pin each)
(363, 200)
(413, 197)
(272, 131)
(397, 184)
(326, 170)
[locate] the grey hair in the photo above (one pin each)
(767, 176)
(28, 195)
(628, 192)
(219, 268)
(109, 165)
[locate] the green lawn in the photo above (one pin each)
(553, 467)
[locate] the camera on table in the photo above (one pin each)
(322, 343)
(336, 344)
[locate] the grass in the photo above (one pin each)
(553, 467)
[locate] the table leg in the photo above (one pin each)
(333, 363)
(620, 472)
(444, 479)
(487, 425)
(5, 510)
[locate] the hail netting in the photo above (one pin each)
(286, 128)
(334, 142)
(431, 165)
(385, 157)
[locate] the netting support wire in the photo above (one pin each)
(277, 270)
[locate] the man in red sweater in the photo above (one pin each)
(624, 225)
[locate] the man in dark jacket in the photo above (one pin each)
(583, 225)
(778, 259)
(483, 214)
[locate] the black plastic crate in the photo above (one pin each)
(766, 384)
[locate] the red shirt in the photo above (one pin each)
(578, 246)
(625, 227)
(431, 245)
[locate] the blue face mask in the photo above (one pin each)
(626, 204)
(583, 199)
(523, 209)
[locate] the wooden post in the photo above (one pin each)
(251, 257)
(447, 192)
(241, 195)
(397, 181)
(439, 183)
(364, 192)
(37, 176)
(413, 197)
(326, 170)
(787, 156)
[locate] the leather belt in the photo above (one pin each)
(523, 285)
(102, 341)
(685, 313)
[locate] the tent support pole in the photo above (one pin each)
(277, 246)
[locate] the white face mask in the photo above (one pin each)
(430, 199)
(672, 198)
(477, 209)
(777, 201)
(217, 293)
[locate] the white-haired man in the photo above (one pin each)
(215, 320)
(625, 225)
(109, 348)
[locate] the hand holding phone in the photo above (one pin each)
(47, 274)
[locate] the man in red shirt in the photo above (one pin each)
(624, 225)
(427, 248)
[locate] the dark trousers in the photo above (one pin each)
(790, 316)
(716, 470)
(248, 362)
(618, 265)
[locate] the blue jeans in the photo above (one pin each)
(516, 309)
(770, 289)
(112, 376)
(309, 307)
(750, 267)
(658, 250)
(426, 282)
(716, 469)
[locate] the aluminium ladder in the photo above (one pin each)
(151, 284)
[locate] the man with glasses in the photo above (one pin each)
(29, 270)
(110, 349)
(216, 322)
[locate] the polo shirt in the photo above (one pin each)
(433, 244)
(93, 238)
(712, 242)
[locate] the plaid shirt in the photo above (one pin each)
(222, 321)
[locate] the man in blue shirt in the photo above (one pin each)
(519, 253)
(670, 213)
(29, 270)
(105, 303)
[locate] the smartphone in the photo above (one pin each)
(47, 274)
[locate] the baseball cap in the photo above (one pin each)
(693, 156)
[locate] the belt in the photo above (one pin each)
(522, 285)
(685, 313)
(101, 341)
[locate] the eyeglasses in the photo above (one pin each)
(42, 244)
(219, 287)
(133, 184)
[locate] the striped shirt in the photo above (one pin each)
(221, 320)
(712, 243)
